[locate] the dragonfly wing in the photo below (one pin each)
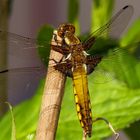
(114, 65)
(64, 67)
(120, 21)
(31, 48)
(21, 50)
(17, 40)
(23, 70)
(114, 27)
(21, 83)
(92, 62)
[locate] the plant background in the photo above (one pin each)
(53, 14)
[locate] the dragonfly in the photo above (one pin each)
(76, 63)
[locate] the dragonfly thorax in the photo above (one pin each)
(78, 57)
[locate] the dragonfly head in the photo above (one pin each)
(63, 28)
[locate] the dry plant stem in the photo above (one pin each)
(51, 102)
(3, 54)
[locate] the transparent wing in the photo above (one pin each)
(23, 70)
(17, 52)
(22, 48)
(118, 64)
(20, 83)
(17, 40)
(114, 27)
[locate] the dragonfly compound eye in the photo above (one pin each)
(61, 30)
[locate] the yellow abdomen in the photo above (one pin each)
(82, 98)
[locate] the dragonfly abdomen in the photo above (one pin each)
(82, 99)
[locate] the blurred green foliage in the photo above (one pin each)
(118, 99)
(43, 41)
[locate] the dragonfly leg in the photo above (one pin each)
(109, 125)
(57, 62)
(60, 61)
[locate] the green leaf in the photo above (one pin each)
(123, 69)
(101, 13)
(26, 117)
(13, 135)
(43, 41)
